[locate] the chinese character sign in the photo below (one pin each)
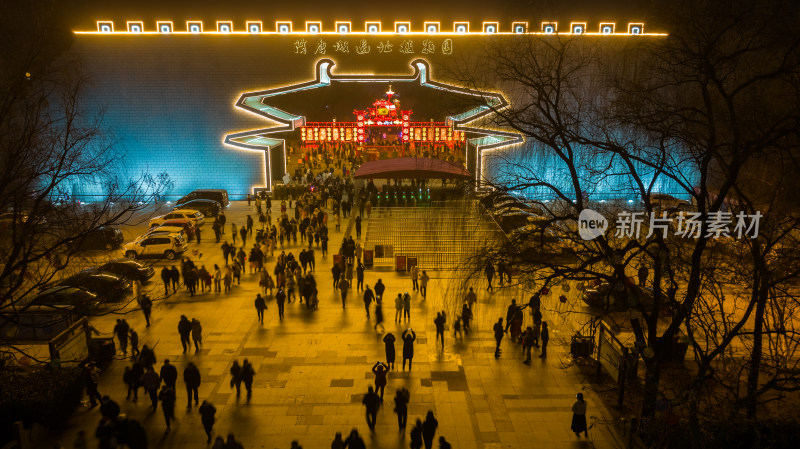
(364, 47)
(691, 225)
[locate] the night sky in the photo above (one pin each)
(82, 14)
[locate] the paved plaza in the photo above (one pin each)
(313, 367)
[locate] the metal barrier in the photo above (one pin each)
(619, 361)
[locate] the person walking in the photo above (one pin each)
(121, 329)
(217, 278)
(234, 232)
(379, 289)
(471, 298)
(358, 227)
(151, 382)
(360, 276)
(388, 342)
(527, 344)
(130, 379)
(344, 285)
(466, 316)
(443, 444)
(372, 402)
(378, 315)
(185, 331)
(207, 412)
(401, 399)
(429, 427)
(280, 299)
(168, 374)
(261, 306)
(250, 225)
(489, 271)
(579, 417)
(175, 276)
(545, 338)
(408, 347)
(146, 305)
(222, 219)
(147, 357)
(642, 274)
(423, 284)
(134, 339)
(165, 278)
(439, 321)
(499, 332)
(368, 298)
(414, 278)
(197, 334)
(354, 441)
(337, 442)
(398, 307)
(380, 371)
(236, 377)
(197, 235)
(243, 235)
(91, 379)
(191, 377)
(247, 378)
(167, 398)
(416, 435)
(406, 307)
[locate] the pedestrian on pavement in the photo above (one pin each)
(489, 271)
(337, 442)
(191, 377)
(354, 441)
(109, 409)
(510, 311)
(344, 285)
(280, 298)
(222, 219)
(372, 402)
(378, 315)
(168, 374)
(236, 377)
(247, 377)
(379, 289)
(197, 235)
(261, 306)
(398, 307)
(360, 276)
(91, 379)
(132, 382)
(250, 225)
(388, 342)
(406, 307)
(217, 278)
(243, 235)
(147, 306)
(545, 339)
(151, 382)
(336, 271)
(499, 332)
(147, 357)
(167, 398)
(137, 289)
(234, 231)
(197, 334)
(207, 412)
(579, 417)
(368, 298)
(121, 329)
(642, 274)
(217, 232)
(441, 318)
(527, 344)
(408, 347)
(443, 444)
(175, 277)
(401, 399)
(380, 370)
(429, 427)
(471, 298)
(231, 443)
(185, 331)
(466, 316)
(414, 278)
(416, 435)
(358, 227)
(165, 278)
(423, 284)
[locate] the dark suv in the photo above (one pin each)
(218, 195)
(102, 238)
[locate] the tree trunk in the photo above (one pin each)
(758, 349)
(651, 379)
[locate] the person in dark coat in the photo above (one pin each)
(247, 377)
(168, 374)
(368, 298)
(354, 441)
(443, 444)
(222, 219)
(108, 408)
(378, 315)
(236, 377)
(388, 341)
(439, 323)
(167, 398)
(372, 402)
(207, 412)
(359, 276)
(191, 377)
(545, 338)
(380, 370)
(401, 399)
(147, 356)
(165, 278)
(489, 271)
(147, 306)
(175, 277)
(280, 299)
(150, 382)
(185, 331)
(466, 316)
(416, 435)
(579, 417)
(336, 271)
(134, 380)
(498, 336)
(121, 330)
(408, 347)
(429, 429)
(261, 306)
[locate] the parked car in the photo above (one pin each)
(159, 230)
(218, 195)
(101, 238)
(664, 202)
(209, 208)
(108, 287)
(185, 223)
(127, 268)
(82, 301)
(168, 246)
(184, 214)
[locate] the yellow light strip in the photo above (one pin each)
(194, 23)
(132, 24)
(550, 27)
(491, 27)
(220, 27)
(164, 24)
(343, 28)
(461, 27)
(310, 26)
(432, 28)
(251, 27)
(283, 27)
(372, 27)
